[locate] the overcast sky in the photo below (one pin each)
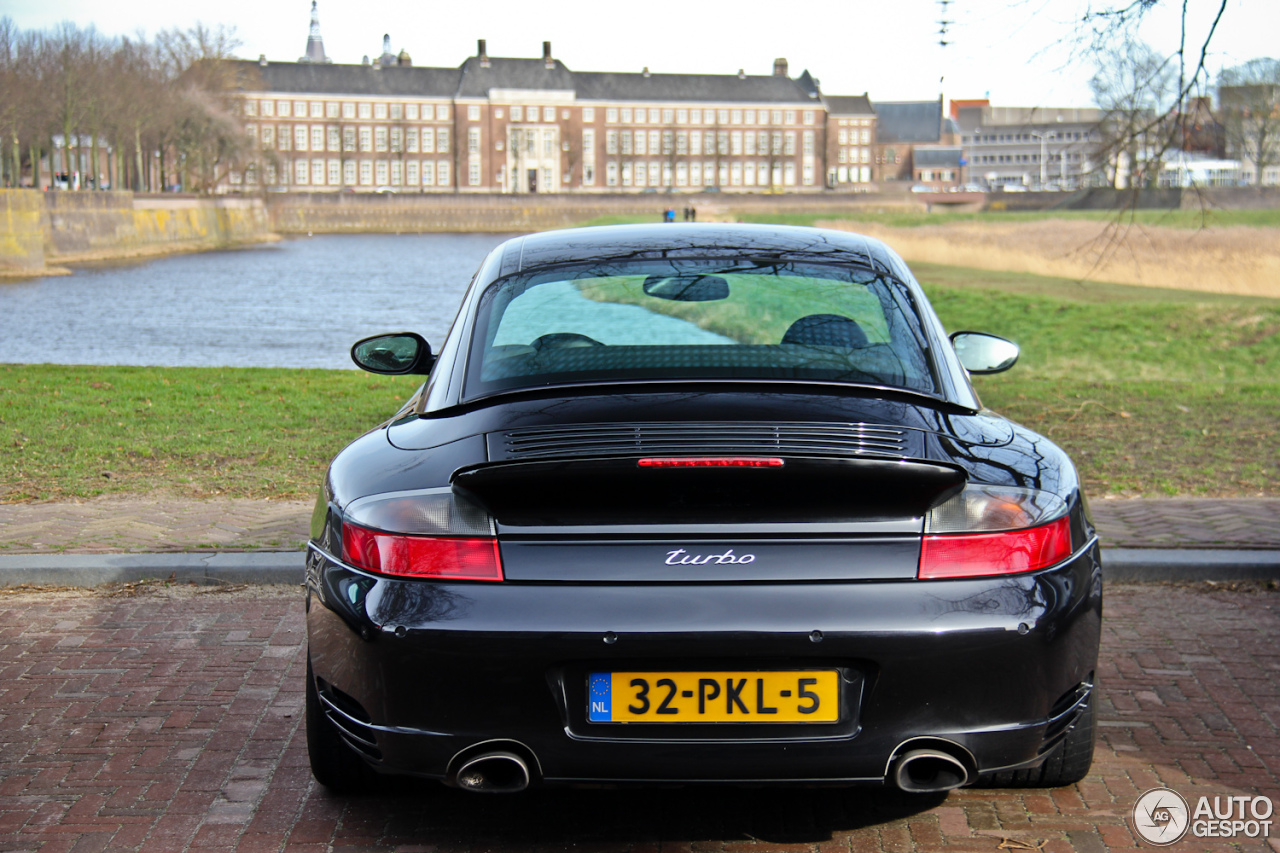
(1017, 52)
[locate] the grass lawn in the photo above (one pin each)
(1152, 392)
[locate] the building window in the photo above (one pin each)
(695, 141)
(611, 115)
(762, 175)
(735, 142)
(380, 140)
(588, 114)
(668, 116)
(548, 113)
(348, 139)
(300, 171)
(411, 173)
(722, 143)
(473, 174)
(735, 117)
(653, 141)
(776, 117)
(380, 169)
(442, 140)
(411, 113)
(682, 174)
(682, 116)
(397, 143)
(268, 136)
(317, 138)
(335, 172)
(735, 175)
(626, 174)
(722, 116)
(789, 174)
(380, 111)
(807, 175)
(640, 138)
(428, 140)
(349, 173)
(397, 176)
(611, 142)
(790, 147)
(611, 174)
(749, 141)
(300, 137)
(695, 174)
(749, 174)
(411, 140)
(682, 142)
(428, 174)
(588, 146)
(808, 116)
(626, 115)
(473, 141)
(268, 108)
(366, 139)
(283, 138)
(397, 112)
(442, 112)
(808, 143)
(749, 117)
(695, 116)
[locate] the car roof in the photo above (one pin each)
(697, 240)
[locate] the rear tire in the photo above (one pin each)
(1066, 765)
(334, 764)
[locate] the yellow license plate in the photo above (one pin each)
(796, 696)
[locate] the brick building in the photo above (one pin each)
(515, 125)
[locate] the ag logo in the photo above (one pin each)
(1161, 816)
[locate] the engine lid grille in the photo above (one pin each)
(674, 438)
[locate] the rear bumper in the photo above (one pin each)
(422, 671)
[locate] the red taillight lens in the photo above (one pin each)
(437, 557)
(964, 555)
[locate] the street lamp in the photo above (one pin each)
(1044, 176)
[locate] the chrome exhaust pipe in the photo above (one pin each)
(923, 771)
(493, 773)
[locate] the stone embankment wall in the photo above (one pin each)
(39, 230)
(323, 213)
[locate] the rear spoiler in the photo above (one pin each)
(619, 490)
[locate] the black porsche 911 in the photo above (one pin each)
(700, 503)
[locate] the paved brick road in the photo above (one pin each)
(170, 719)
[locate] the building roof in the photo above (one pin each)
(908, 121)
(849, 105)
(477, 77)
(310, 78)
(933, 156)
(611, 86)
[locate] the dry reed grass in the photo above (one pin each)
(1235, 260)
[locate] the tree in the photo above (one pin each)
(1249, 98)
(1136, 88)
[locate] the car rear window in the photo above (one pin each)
(682, 320)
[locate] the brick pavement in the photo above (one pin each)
(171, 719)
(105, 525)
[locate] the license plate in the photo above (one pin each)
(796, 696)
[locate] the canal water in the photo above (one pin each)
(298, 303)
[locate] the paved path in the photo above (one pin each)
(171, 719)
(107, 525)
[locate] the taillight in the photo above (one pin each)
(430, 534)
(993, 530)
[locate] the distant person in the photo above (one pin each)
(693, 214)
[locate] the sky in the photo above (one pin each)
(1015, 52)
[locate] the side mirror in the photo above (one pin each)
(983, 353)
(400, 353)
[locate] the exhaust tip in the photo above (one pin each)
(924, 771)
(493, 773)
